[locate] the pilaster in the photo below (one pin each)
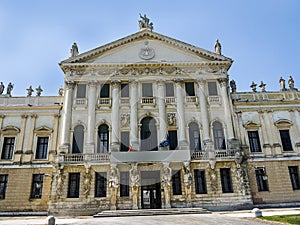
(90, 143)
(134, 114)
(203, 109)
(161, 89)
(115, 120)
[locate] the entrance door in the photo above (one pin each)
(150, 190)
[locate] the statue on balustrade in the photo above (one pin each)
(1, 88)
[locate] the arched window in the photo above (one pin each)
(103, 139)
(194, 135)
(78, 137)
(219, 138)
(148, 134)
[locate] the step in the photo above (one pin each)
(151, 212)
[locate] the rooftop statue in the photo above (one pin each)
(218, 47)
(9, 89)
(233, 86)
(145, 23)
(39, 90)
(1, 88)
(291, 83)
(282, 84)
(253, 86)
(74, 50)
(29, 91)
(262, 86)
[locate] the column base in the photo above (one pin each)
(114, 147)
(183, 145)
(63, 149)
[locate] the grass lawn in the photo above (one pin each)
(288, 219)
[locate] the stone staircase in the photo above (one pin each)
(151, 212)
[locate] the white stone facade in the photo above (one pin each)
(148, 121)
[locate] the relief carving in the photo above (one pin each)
(125, 120)
(172, 119)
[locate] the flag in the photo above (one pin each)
(165, 142)
(130, 148)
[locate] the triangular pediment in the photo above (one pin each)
(146, 47)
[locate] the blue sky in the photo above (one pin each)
(262, 37)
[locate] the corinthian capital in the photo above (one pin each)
(223, 82)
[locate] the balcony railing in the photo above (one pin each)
(125, 101)
(148, 100)
(191, 99)
(218, 154)
(81, 101)
(170, 100)
(104, 101)
(78, 158)
(214, 99)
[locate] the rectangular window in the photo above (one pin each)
(124, 185)
(286, 140)
(104, 92)
(37, 185)
(254, 141)
(100, 184)
(261, 179)
(212, 88)
(124, 141)
(294, 175)
(74, 183)
(189, 88)
(176, 183)
(8, 148)
(200, 182)
(41, 148)
(169, 90)
(173, 139)
(124, 91)
(147, 90)
(81, 91)
(3, 184)
(226, 180)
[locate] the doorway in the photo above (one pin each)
(150, 190)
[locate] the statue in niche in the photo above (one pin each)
(171, 119)
(74, 50)
(9, 88)
(166, 183)
(125, 120)
(87, 181)
(218, 47)
(232, 86)
(282, 84)
(187, 179)
(59, 181)
(144, 22)
(134, 183)
(29, 91)
(213, 179)
(291, 83)
(1, 88)
(113, 184)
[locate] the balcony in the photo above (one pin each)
(217, 154)
(145, 101)
(214, 99)
(125, 101)
(81, 101)
(106, 102)
(170, 100)
(191, 99)
(151, 156)
(80, 158)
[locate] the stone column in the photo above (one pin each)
(66, 118)
(90, 135)
(115, 120)
(227, 112)
(163, 127)
(180, 114)
(31, 130)
(204, 112)
(55, 131)
(134, 114)
(22, 133)
(1, 120)
(266, 136)
(297, 128)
